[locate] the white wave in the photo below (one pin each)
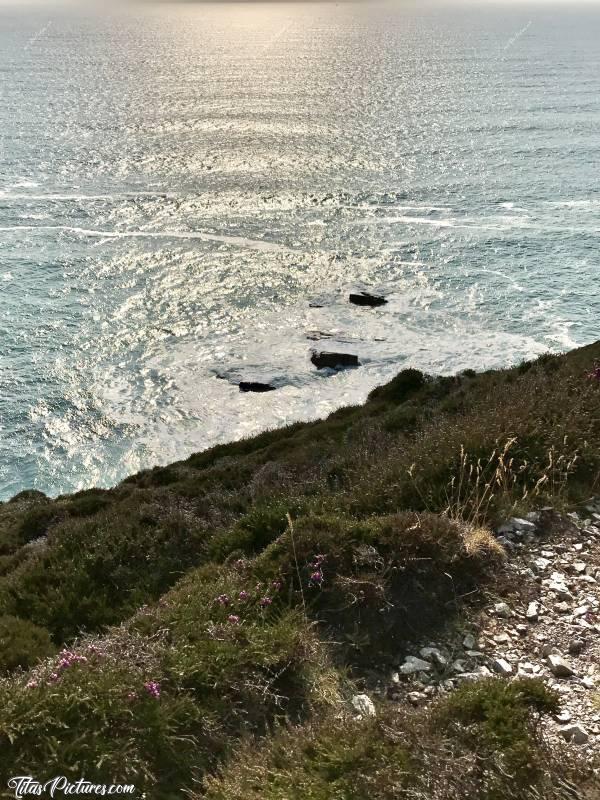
(4, 195)
(239, 241)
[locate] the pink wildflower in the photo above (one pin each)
(276, 585)
(265, 602)
(243, 596)
(233, 619)
(31, 685)
(317, 577)
(153, 689)
(223, 600)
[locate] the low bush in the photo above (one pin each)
(405, 756)
(22, 644)
(401, 387)
(159, 702)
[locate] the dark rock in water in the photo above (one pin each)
(316, 335)
(315, 305)
(255, 386)
(334, 360)
(366, 299)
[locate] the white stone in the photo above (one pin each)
(435, 655)
(469, 641)
(564, 717)
(363, 704)
(501, 666)
(413, 664)
(559, 667)
(475, 654)
(502, 610)
(521, 524)
(561, 590)
(533, 610)
(541, 564)
(581, 611)
(416, 698)
(459, 666)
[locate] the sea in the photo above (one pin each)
(189, 192)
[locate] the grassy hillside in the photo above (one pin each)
(201, 626)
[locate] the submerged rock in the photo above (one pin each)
(255, 386)
(366, 299)
(321, 360)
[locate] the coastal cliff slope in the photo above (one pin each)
(238, 624)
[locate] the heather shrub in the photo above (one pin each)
(160, 701)
(98, 569)
(499, 720)
(89, 502)
(387, 576)
(22, 644)
(401, 755)
(407, 382)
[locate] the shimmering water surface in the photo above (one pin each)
(178, 183)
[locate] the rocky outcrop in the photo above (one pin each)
(366, 299)
(323, 360)
(256, 386)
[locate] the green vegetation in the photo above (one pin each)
(214, 615)
(403, 755)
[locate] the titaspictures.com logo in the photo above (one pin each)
(27, 786)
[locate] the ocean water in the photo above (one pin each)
(179, 182)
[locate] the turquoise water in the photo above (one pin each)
(178, 183)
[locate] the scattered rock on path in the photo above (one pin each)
(413, 664)
(435, 655)
(502, 667)
(575, 733)
(559, 667)
(363, 704)
(502, 610)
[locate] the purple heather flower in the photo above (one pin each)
(595, 373)
(234, 619)
(153, 689)
(317, 577)
(223, 600)
(31, 685)
(265, 602)
(53, 677)
(243, 596)
(276, 585)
